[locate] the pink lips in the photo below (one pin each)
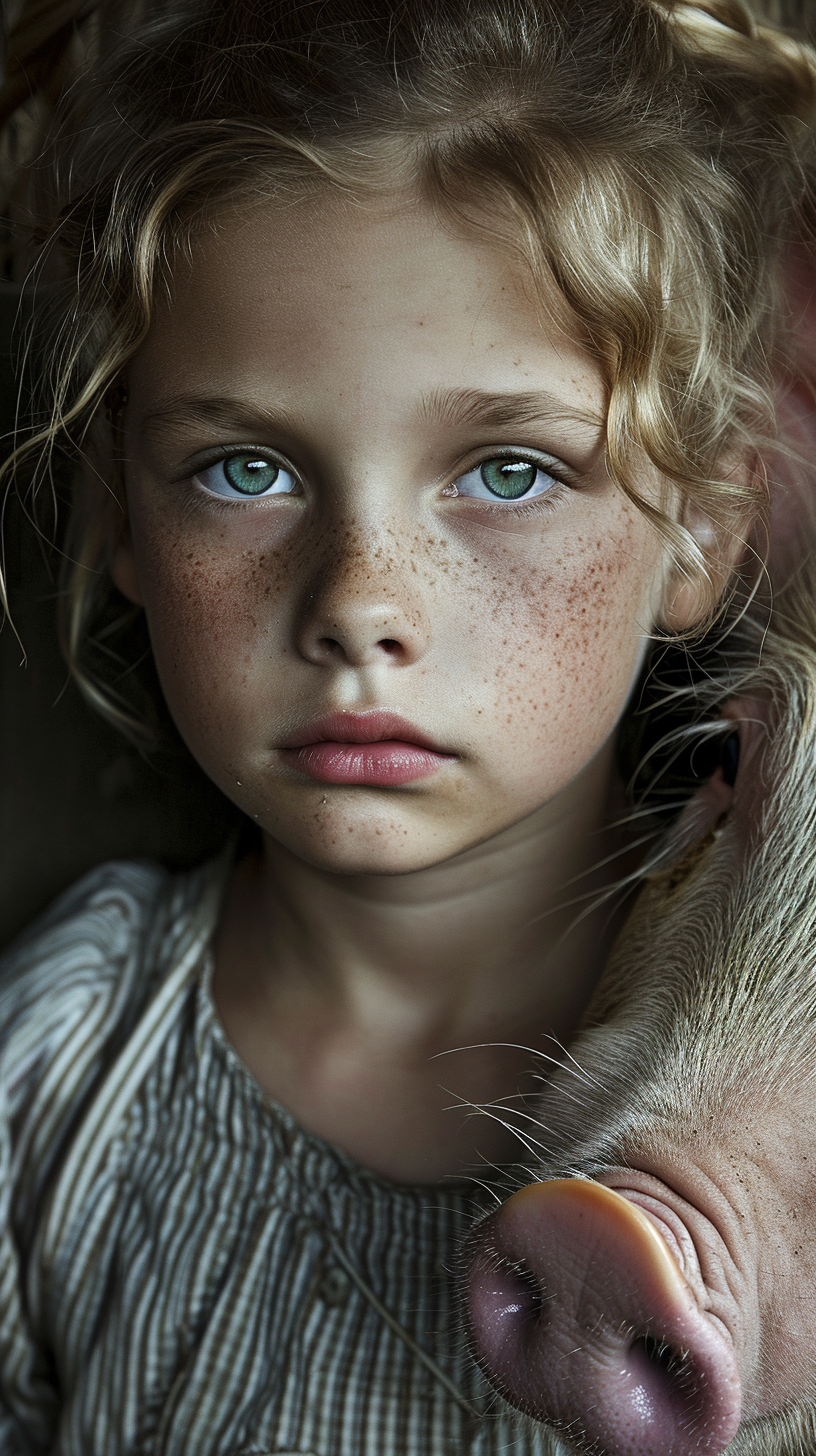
(378, 749)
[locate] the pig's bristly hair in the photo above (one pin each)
(751, 884)
(739, 911)
(707, 1010)
(782, 1434)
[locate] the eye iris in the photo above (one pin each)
(250, 474)
(508, 478)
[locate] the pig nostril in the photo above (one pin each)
(668, 1380)
(657, 1352)
(507, 1304)
(524, 1300)
(675, 1365)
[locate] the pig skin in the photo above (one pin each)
(690, 1093)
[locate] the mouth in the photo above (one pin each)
(377, 749)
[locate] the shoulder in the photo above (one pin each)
(98, 906)
(81, 946)
(72, 985)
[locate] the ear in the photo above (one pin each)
(103, 482)
(687, 603)
(104, 506)
(731, 792)
(123, 569)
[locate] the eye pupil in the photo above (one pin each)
(250, 474)
(509, 479)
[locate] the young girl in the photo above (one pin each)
(415, 360)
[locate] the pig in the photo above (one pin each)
(653, 1291)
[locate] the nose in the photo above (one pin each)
(360, 609)
(582, 1317)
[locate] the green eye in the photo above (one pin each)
(509, 479)
(250, 474)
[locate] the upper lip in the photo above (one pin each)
(372, 727)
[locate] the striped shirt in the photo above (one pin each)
(184, 1269)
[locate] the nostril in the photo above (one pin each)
(390, 645)
(506, 1306)
(665, 1400)
(520, 1296)
(663, 1356)
(669, 1374)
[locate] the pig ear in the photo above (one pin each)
(792, 478)
(792, 523)
(710, 803)
(731, 757)
(751, 722)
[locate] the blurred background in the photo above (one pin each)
(73, 792)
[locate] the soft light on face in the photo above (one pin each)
(362, 475)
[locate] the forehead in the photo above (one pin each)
(357, 298)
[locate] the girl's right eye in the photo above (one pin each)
(247, 475)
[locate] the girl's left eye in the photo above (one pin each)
(247, 475)
(506, 477)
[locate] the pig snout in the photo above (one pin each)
(581, 1315)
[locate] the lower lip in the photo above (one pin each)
(379, 765)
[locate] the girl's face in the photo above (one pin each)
(364, 477)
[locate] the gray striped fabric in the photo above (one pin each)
(183, 1268)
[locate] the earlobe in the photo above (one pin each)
(681, 606)
(687, 603)
(103, 499)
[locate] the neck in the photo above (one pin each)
(481, 950)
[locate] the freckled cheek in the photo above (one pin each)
(559, 650)
(214, 619)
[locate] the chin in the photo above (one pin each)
(341, 847)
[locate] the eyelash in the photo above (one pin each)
(549, 500)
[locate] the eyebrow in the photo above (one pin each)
(502, 410)
(455, 407)
(216, 412)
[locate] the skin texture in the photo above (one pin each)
(381, 926)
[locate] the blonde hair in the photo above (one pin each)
(648, 160)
